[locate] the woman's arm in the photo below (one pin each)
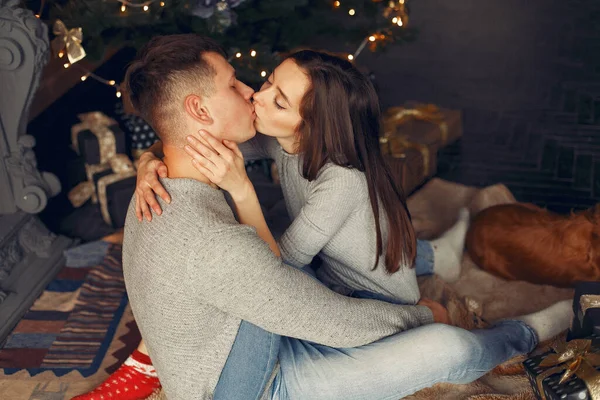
(149, 169)
(156, 150)
(223, 164)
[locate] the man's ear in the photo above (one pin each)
(196, 109)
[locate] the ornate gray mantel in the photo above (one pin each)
(30, 255)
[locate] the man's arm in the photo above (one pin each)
(236, 272)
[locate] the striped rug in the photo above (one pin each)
(72, 324)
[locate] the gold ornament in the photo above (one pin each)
(68, 40)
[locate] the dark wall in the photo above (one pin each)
(526, 74)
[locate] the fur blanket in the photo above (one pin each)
(477, 295)
(434, 209)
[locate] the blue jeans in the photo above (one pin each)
(249, 365)
(425, 259)
(390, 368)
(396, 366)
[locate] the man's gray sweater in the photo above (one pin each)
(194, 273)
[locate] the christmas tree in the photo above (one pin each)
(254, 32)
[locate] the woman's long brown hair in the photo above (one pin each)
(341, 120)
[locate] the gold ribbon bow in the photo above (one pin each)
(395, 116)
(69, 40)
(574, 358)
(120, 165)
(403, 142)
(92, 121)
(588, 301)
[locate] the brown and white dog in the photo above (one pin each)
(525, 242)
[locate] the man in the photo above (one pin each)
(196, 277)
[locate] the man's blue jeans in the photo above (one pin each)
(396, 366)
(390, 368)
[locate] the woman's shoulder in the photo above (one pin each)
(331, 172)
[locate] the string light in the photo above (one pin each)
(39, 13)
(393, 8)
(399, 19)
(134, 4)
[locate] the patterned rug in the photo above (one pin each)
(79, 330)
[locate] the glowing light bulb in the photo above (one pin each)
(61, 54)
(395, 20)
(400, 23)
(118, 93)
(146, 8)
(123, 8)
(111, 82)
(337, 4)
(372, 38)
(350, 57)
(351, 11)
(83, 78)
(162, 3)
(263, 73)
(253, 53)
(66, 65)
(238, 55)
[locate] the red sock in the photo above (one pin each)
(135, 380)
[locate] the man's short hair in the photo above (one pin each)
(165, 68)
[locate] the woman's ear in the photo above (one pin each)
(196, 109)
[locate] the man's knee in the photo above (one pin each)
(457, 347)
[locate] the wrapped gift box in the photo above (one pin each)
(586, 310)
(111, 175)
(580, 359)
(412, 136)
(89, 146)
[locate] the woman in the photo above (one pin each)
(324, 117)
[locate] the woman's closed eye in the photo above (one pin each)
(277, 105)
(267, 84)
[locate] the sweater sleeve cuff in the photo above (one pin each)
(424, 315)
